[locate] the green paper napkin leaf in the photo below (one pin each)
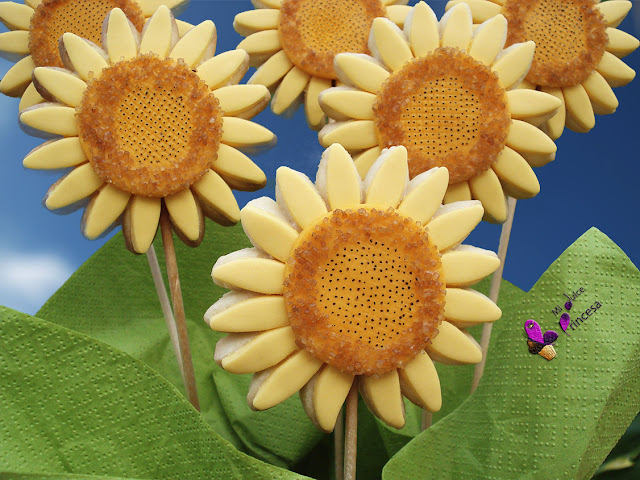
(535, 419)
(112, 298)
(71, 404)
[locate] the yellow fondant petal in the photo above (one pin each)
(228, 68)
(33, 3)
(243, 101)
(365, 160)
(82, 56)
(466, 307)
(18, 78)
(120, 39)
(75, 186)
(481, 10)
(15, 15)
(103, 210)
(59, 85)
(344, 103)
(383, 397)
(140, 222)
(488, 41)
(296, 194)
(424, 194)
(452, 223)
(267, 3)
(315, 116)
(458, 192)
(260, 46)
(420, 383)
(338, 181)
(183, 27)
(15, 43)
(246, 270)
(466, 265)
(555, 125)
(361, 71)
(388, 44)
(603, 100)
(216, 199)
(238, 170)
(486, 187)
(29, 98)
(453, 346)
(272, 71)
(254, 352)
(197, 46)
(398, 14)
(284, 380)
(150, 6)
(579, 107)
(323, 396)
(238, 132)
(517, 178)
(62, 153)
(51, 118)
(159, 34)
(422, 29)
(244, 312)
(614, 11)
(530, 142)
(267, 229)
(621, 43)
(532, 105)
(252, 21)
(456, 27)
(289, 91)
(615, 71)
(186, 215)
(352, 135)
(386, 182)
(514, 63)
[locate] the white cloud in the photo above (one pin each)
(28, 280)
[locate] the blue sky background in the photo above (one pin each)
(592, 182)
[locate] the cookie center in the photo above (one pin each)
(53, 18)
(448, 110)
(570, 38)
(313, 32)
(363, 290)
(150, 127)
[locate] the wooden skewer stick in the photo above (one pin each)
(169, 319)
(494, 290)
(178, 309)
(427, 417)
(351, 428)
(338, 445)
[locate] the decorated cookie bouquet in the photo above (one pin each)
(355, 282)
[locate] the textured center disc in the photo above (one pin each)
(363, 290)
(448, 110)
(150, 127)
(570, 38)
(315, 31)
(53, 18)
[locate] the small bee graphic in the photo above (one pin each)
(540, 343)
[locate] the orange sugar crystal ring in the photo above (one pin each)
(150, 122)
(578, 53)
(450, 95)
(38, 25)
(352, 277)
(293, 43)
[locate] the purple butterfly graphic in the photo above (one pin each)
(565, 320)
(538, 342)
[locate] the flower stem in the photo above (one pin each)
(494, 291)
(338, 445)
(178, 309)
